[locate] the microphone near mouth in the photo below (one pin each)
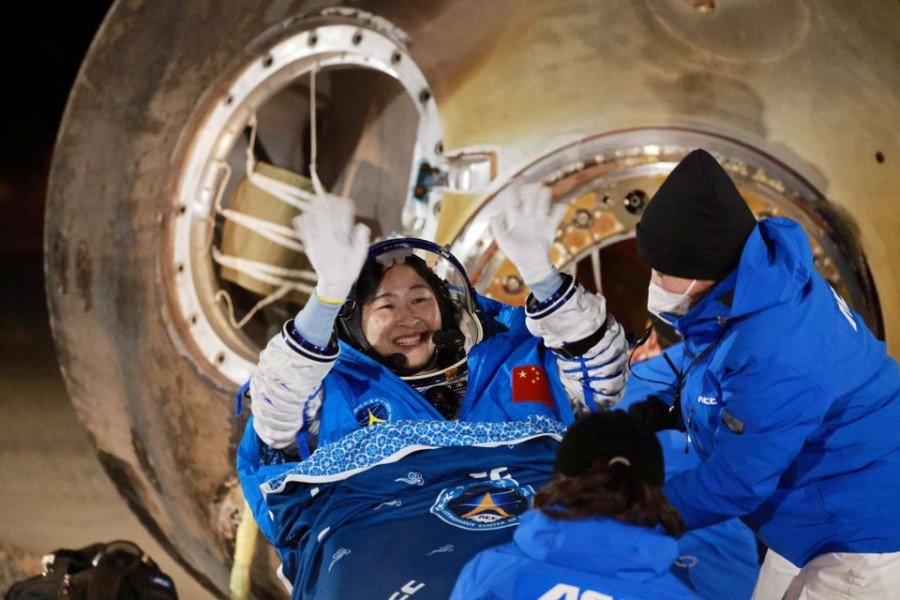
(447, 337)
(446, 340)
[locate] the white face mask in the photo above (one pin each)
(660, 301)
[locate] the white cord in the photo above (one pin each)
(283, 279)
(313, 152)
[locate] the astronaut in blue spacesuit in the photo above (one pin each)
(395, 339)
(413, 340)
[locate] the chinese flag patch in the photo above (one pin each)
(530, 384)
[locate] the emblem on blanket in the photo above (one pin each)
(482, 505)
(373, 411)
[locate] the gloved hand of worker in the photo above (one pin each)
(655, 413)
(525, 230)
(336, 248)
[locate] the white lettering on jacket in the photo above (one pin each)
(563, 591)
(845, 310)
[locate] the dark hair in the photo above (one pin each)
(615, 491)
(609, 464)
(373, 273)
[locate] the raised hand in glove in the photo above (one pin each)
(336, 248)
(655, 413)
(525, 230)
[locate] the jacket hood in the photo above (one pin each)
(775, 265)
(630, 551)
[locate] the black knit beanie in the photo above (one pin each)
(602, 436)
(696, 224)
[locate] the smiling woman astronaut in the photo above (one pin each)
(415, 344)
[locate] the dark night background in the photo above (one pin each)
(41, 51)
(54, 491)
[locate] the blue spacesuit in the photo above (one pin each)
(508, 368)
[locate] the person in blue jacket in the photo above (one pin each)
(601, 527)
(717, 561)
(395, 333)
(790, 402)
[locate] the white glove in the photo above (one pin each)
(336, 248)
(526, 230)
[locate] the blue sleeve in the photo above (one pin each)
(719, 561)
(772, 409)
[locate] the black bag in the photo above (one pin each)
(118, 570)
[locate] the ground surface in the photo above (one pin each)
(54, 491)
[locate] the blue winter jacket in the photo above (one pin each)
(571, 559)
(717, 561)
(792, 405)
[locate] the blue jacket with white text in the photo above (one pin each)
(553, 558)
(792, 405)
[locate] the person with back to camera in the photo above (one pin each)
(601, 527)
(394, 333)
(791, 403)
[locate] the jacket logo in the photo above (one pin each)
(372, 412)
(707, 400)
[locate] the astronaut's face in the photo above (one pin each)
(401, 316)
